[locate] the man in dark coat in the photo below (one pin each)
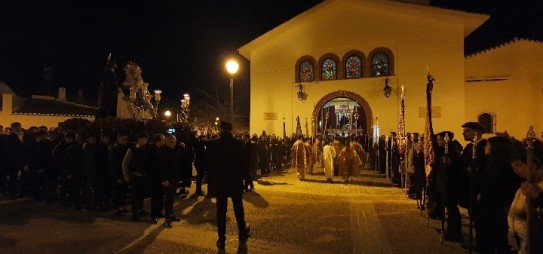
(15, 145)
(168, 163)
(472, 174)
(102, 183)
(116, 156)
(448, 172)
(199, 164)
(135, 174)
(73, 170)
(225, 160)
(150, 161)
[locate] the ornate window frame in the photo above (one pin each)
(338, 66)
(374, 52)
(362, 62)
(297, 68)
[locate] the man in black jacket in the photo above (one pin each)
(135, 174)
(168, 163)
(116, 156)
(225, 160)
(150, 161)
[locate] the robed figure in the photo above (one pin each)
(299, 158)
(328, 155)
(107, 92)
(348, 163)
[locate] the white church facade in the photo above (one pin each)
(329, 67)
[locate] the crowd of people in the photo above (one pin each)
(488, 177)
(98, 171)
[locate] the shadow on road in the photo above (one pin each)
(140, 246)
(256, 199)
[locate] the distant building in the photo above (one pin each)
(40, 110)
(331, 64)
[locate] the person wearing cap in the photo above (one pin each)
(225, 161)
(472, 170)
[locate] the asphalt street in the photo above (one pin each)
(286, 215)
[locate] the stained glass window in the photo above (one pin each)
(329, 69)
(353, 67)
(380, 65)
(305, 71)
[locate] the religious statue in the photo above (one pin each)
(133, 98)
(107, 97)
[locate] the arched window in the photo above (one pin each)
(329, 69)
(305, 69)
(381, 61)
(353, 67)
(380, 65)
(487, 120)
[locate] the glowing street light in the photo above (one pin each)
(232, 67)
(167, 113)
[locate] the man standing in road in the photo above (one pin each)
(168, 164)
(225, 162)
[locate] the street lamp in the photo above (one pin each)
(232, 67)
(167, 113)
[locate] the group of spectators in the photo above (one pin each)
(488, 177)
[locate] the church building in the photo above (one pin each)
(341, 67)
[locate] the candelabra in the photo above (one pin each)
(356, 119)
(157, 101)
(185, 111)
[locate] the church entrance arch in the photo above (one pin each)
(342, 112)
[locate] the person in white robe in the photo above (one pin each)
(328, 155)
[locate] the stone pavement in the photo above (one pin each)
(368, 215)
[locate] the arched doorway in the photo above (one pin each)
(342, 112)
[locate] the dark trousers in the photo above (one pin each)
(75, 188)
(119, 194)
(222, 204)
(169, 194)
(157, 198)
(138, 193)
(102, 190)
(12, 181)
(50, 187)
(454, 223)
(200, 173)
(474, 213)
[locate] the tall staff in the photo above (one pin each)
(402, 142)
(472, 188)
(530, 139)
(428, 133)
(445, 165)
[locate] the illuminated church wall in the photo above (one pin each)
(506, 81)
(338, 27)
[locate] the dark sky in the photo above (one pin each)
(181, 45)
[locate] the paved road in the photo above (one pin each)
(286, 216)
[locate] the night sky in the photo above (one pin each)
(181, 45)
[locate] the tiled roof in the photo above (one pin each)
(52, 107)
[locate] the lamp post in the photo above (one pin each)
(232, 68)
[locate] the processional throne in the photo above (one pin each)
(133, 97)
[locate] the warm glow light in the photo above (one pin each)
(186, 96)
(232, 67)
(167, 113)
(217, 119)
